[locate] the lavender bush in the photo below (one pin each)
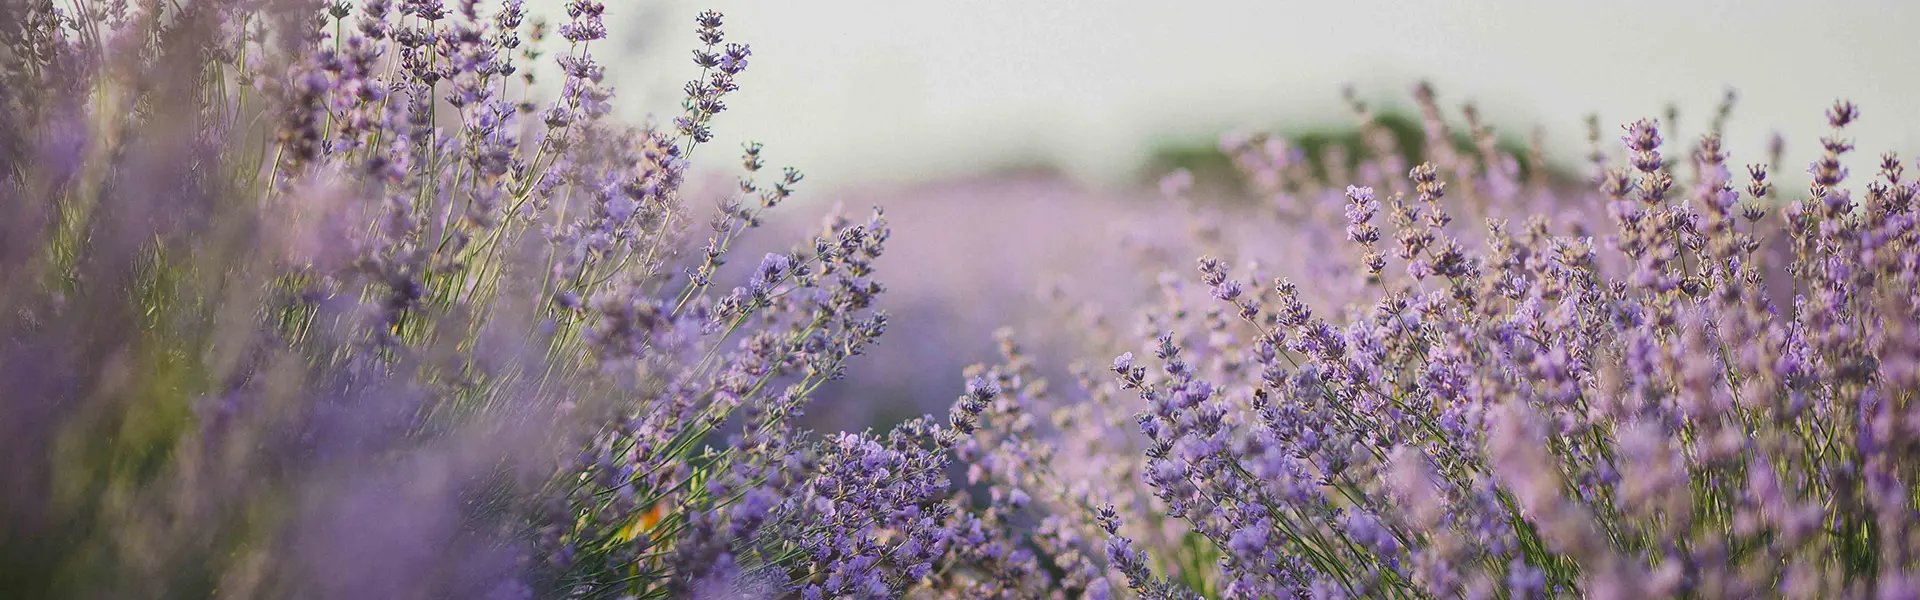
(331, 300)
(1674, 385)
(376, 299)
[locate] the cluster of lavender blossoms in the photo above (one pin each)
(1675, 381)
(377, 299)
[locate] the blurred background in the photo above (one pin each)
(907, 91)
(1014, 144)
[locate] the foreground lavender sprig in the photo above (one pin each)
(331, 299)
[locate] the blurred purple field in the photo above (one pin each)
(387, 299)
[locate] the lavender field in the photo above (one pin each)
(395, 299)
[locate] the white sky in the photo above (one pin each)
(910, 89)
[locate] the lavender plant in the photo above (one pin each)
(1669, 385)
(344, 299)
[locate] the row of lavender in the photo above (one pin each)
(1711, 398)
(326, 300)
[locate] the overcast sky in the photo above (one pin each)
(856, 91)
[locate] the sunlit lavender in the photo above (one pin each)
(385, 299)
